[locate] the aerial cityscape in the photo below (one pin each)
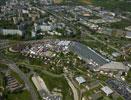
(65, 49)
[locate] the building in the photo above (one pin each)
(128, 34)
(128, 28)
(11, 32)
(88, 55)
(95, 61)
(44, 28)
(120, 87)
(41, 87)
(107, 90)
(80, 80)
(113, 66)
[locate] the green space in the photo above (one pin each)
(23, 95)
(3, 2)
(24, 69)
(59, 83)
(119, 5)
(120, 25)
(7, 24)
(13, 56)
(1, 81)
(10, 37)
(102, 77)
(98, 46)
(128, 77)
(3, 66)
(112, 40)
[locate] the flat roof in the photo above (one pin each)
(87, 53)
(114, 66)
(107, 90)
(80, 80)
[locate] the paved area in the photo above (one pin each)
(74, 90)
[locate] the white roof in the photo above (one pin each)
(114, 66)
(39, 83)
(107, 90)
(64, 43)
(11, 31)
(80, 80)
(128, 28)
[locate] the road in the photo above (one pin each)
(74, 90)
(26, 80)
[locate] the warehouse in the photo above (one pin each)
(113, 66)
(107, 90)
(88, 55)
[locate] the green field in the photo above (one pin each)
(3, 66)
(121, 25)
(23, 95)
(1, 81)
(128, 77)
(119, 5)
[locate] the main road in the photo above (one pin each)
(74, 90)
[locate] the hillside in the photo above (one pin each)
(120, 5)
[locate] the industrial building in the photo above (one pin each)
(95, 61)
(41, 87)
(11, 32)
(107, 90)
(80, 80)
(113, 66)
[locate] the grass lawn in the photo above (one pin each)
(3, 66)
(13, 56)
(121, 25)
(23, 95)
(85, 1)
(58, 1)
(120, 5)
(1, 80)
(128, 77)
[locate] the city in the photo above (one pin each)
(65, 50)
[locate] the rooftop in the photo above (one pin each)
(88, 54)
(107, 90)
(80, 80)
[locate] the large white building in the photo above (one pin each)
(80, 80)
(41, 87)
(113, 66)
(107, 90)
(44, 27)
(11, 32)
